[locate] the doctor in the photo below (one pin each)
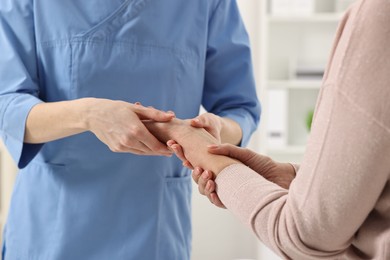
(71, 74)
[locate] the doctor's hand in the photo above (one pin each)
(210, 122)
(118, 125)
(223, 129)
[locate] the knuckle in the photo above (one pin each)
(127, 140)
(155, 146)
(245, 150)
(155, 113)
(136, 131)
(116, 148)
(112, 149)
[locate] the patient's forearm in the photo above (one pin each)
(194, 142)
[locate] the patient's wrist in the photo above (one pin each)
(165, 131)
(194, 142)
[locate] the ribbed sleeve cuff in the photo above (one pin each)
(296, 167)
(242, 190)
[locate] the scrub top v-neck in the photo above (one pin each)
(74, 198)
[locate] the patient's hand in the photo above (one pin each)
(280, 173)
(207, 185)
(194, 142)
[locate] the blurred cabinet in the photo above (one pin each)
(295, 46)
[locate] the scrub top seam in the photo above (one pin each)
(183, 53)
(106, 25)
(187, 55)
(108, 19)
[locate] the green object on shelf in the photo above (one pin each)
(309, 119)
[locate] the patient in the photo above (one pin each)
(338, 204)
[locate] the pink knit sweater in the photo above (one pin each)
(338, 206)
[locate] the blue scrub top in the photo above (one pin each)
(74, 198)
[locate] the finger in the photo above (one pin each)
(153, 114)
(165, 151)
(205, 121)
(141, 149)
(206, 175)
(125, 149)
(171, 142)
(188, 165)
(198, 122)
(230, 151)
(196, 173)
(142, 134)
(179, 152)
(154, 146)
(216, 200)
(209, 188)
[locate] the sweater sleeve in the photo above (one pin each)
(18, 77)
(345, 168)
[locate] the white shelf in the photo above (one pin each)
(294, 84)
(289, 40)
(314, 18)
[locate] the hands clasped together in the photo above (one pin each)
(279, 173)
(197, 142)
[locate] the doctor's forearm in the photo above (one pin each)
(51, 121)
(231, 131)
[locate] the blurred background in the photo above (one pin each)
(291, 41)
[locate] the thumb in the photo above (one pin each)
(230, 150)
(153, 114)
(197, 122)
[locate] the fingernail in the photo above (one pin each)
(208, 186)
(197, 171)
(171, 112)
(206, 175)
(213, 146)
